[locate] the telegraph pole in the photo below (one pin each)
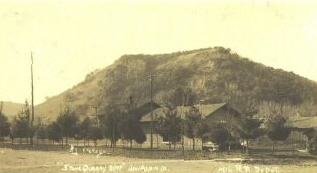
(113, 133)
(182, 123)
(32, 95)
(151, 96)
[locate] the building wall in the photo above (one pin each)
(224, 115)
(297, 136)
(158, 141)
(220, 116)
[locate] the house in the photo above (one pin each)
(302, 129)
(212, 113)
(145, 109)
(303, 123)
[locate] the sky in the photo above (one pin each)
(71, 38)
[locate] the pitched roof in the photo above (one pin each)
(145, 109)
(303, 123)
(209, 109)
(159, 112)
(205, 111)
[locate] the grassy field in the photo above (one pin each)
(27, 161)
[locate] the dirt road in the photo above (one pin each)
(23, 161)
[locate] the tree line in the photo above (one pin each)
(114, 125)
(120, 122)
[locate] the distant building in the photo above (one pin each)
(212, 113)
(145, 109)
(301, 128)
(303, 123)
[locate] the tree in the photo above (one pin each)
(169, 126)
(68, 122)
(54, 132)
(110, 122)
(276, 129)
(202, 130)
(4, 126)
(181, 97)
(232, 125)
(20, 126)
(84, 130)
(311, 135)
(250, 130)
(140, 136)
(192, 123)
(41, 133)
(216, 133)
(131, 129)
(78, 136)
(39, 129)
(11, 135)
(219, 135)
(95, 134)
(276, 116)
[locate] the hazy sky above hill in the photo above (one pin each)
(71, 38)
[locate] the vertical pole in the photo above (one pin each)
(183, 142)
(113, 132)
(182, 123)
(151, 93)
(32, 93)
(26, 110)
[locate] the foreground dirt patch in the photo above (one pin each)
(18, 161)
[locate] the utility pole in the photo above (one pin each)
(183, 115)
(151, 78)
(113, 133)
(32, 94)
(26, 111)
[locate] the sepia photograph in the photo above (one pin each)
(157, 86)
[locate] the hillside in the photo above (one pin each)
(11, 109)
(214, 74)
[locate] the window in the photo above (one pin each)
(222, 121)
